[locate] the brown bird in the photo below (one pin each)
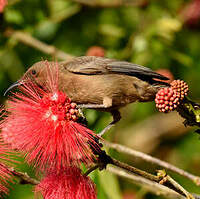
(101, 83)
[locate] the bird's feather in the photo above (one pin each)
(90, 65)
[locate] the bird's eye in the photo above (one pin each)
(33, 72)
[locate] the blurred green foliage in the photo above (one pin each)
(153, 35)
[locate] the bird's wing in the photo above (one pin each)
(90, 65)
(133, 70)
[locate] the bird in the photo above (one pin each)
(101, 83)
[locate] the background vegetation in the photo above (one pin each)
(153, 33)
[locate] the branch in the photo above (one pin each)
(148, 158)
(134, 170)
(24, 177)
(151, 186)
(35, 43)
(111, 3)
(160, 178)
(91, 170)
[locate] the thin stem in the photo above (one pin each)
(151, 186)
(135, 170)
(148, 158)
(179, 187)
(122, 165)
(168, 179)
(24, 177)
(91, 170)
(35, 43)
(154, 184)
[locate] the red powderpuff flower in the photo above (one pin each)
(5, 177)
(42, 123)
(3, 3)
(68, 184)
(5, 173)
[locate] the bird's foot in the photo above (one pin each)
(116, 117)
(107, 128)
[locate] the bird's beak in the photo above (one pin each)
(15, 84)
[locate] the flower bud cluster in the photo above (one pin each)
(168, 98)
(72, 112)
(180, 87)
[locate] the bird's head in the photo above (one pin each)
(37, 74)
